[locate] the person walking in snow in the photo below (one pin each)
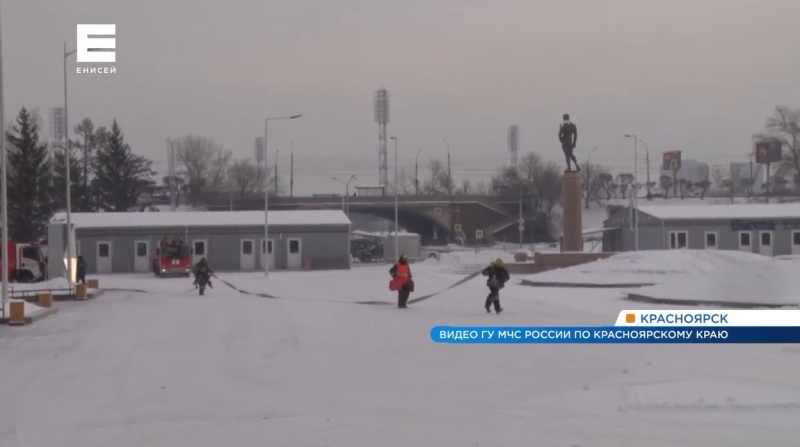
(202, 269)
(402, 272)
(497, 278)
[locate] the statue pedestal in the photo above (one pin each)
(571, 205)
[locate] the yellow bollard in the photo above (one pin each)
(93, 283)
(45, 299)
(80, 292)
(16, 313)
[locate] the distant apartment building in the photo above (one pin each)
(691, 170)
(748, 170)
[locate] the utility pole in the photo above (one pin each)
(449, 191)
(291, 170)
(521, 219)
(396, 207)
(635, 194)
(4, 198)
(266, 192)
(647, 158)
(416, 173)
(276, 173)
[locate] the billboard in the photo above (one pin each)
(768, 151)
(671, 161)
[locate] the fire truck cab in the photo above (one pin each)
(173, 257)
(26, 262)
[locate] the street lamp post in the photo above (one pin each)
(346, 197)
(416, 173)
(265, 247)
(67, 148)
(635, 195)
(4, 197)
(396, 212)
(588, 179)
(449, 189)
(647, 163)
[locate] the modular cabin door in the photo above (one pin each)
(104, 253)
(200, 250)
(765, 243)
(247, 254)
(796, 242)
(270, 249)
(141, 256)
(294, 253)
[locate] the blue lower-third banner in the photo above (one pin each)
(615, 334)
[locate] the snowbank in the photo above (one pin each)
(651, 267)
(55, 283)
(769, 283)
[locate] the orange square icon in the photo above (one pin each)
(630, 318)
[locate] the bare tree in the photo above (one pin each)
(244, 177)
(746, 183)
(481, 188)
(625, 184)
(179, 185)
(404, 183)
(465, 189)
(683, 187)
(784, 125)
(205, 164)
(591, 182)
(607, 183)
(729, 188)
(438, 181)
(703, 185)
(718, 177)
(665, 183)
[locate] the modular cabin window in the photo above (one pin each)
(141, 249)
(103, 250)
(678, 240)
(269, 247)
(199, 248)
(247, 247)
(766, 239)
(796, 238)
(294, 247)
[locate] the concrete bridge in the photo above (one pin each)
(474, 219)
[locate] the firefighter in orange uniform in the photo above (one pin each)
(402, 271)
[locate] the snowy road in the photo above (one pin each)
(169, 368)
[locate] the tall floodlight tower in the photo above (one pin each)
(57, 134)
(513, 143)
(381, 100)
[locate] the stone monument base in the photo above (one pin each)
(572, 211)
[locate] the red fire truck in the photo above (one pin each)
(26, 262)
(173, 258)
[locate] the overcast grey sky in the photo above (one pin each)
(696, 75)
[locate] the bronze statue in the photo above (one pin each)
(568, 136)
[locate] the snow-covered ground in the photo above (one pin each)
(52, 284)
(313, 368)
(655, 267)
(762, 281)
